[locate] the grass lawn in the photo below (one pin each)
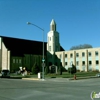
(78, 74)
(64, 75)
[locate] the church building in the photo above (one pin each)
(16, 52)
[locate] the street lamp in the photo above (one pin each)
(43, 64)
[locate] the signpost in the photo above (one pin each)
(43, 65)
(43, 60)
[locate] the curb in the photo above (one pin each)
(79, 78)
(30, 79)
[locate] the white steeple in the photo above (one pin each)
(52, 25)
(53, 44)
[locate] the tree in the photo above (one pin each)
(84, 46)
(35, 68)
(72, 70)
(60, 69)
(46, 70)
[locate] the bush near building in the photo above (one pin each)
(72, 70)
(35, 69)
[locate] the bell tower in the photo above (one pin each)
(53, 44)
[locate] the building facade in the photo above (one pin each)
(16, 52)
(83, 59)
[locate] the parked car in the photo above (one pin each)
(5, 74)
(98, 75)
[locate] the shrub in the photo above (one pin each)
(96, 70)
(35, 68)
(46, 70)
(60, 69)
(72, 70)
(78, 70)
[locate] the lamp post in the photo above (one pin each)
(43, 64)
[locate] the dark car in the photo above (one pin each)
(5, 74)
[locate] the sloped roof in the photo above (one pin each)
(19, 47)
(22, 46)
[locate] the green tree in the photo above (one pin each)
(35, 68)
(46, 70)
(72, 70)
(84, 46)
(60, 70)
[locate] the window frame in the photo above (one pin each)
(83, 54)
(83, 63)
(71, 55)
(89, 54)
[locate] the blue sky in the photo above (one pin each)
(78, 21)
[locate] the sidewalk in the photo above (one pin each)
(59, 79)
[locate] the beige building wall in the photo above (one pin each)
(64, 59)
(95, 58)
(5, 57)
(81, 59)
(8, 58)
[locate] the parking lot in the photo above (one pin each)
(49, 89)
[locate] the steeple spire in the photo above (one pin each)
(52, 25)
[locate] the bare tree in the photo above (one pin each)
(84, 46)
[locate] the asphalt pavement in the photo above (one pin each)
(48, 89)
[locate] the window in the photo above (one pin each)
(71, 63)
(89, 53)
(71, 55)
(77, 54)
(65, 55)
(96, 53)
(19, 60)
(49, 48)
(16, 60)
(13, 60)
(60, 56)
(83, 62)
(83, 54)
(90, 62)
(65, 63)
(97, 62)
(77, 63)
(50, 38)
